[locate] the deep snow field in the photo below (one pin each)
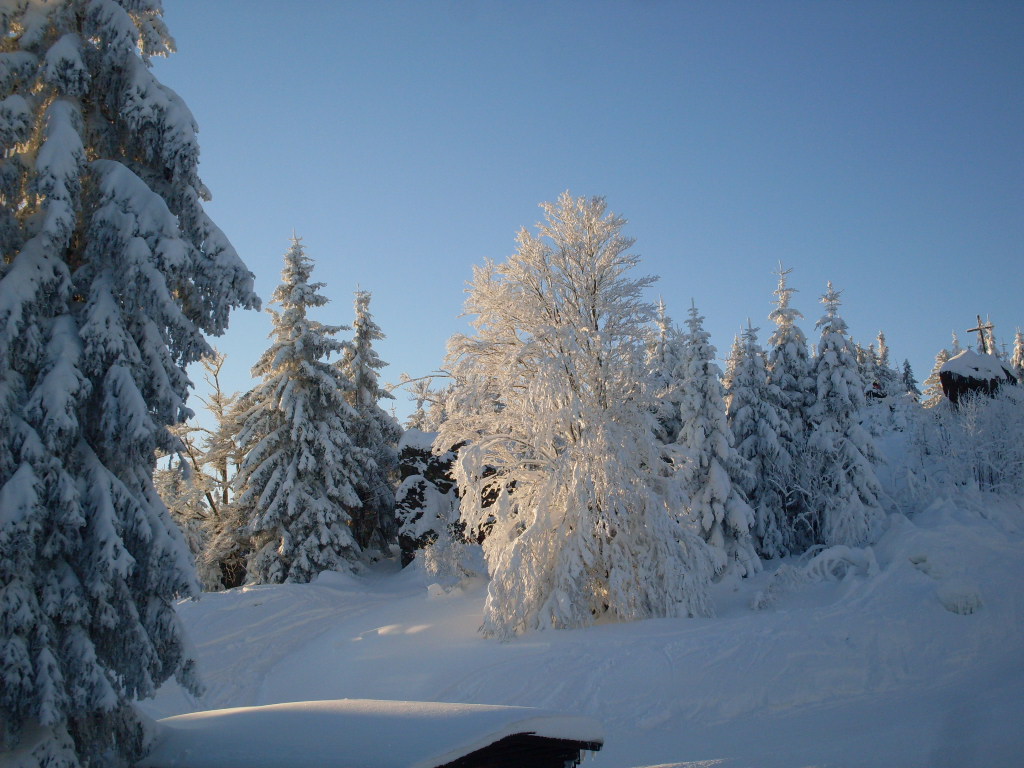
(909, 653)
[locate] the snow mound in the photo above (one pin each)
(357, 732)
(972, 365)
(959, 596)
(418, 440)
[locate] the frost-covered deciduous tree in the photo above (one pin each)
(196, 483)
(296, 487)
(552, 402)
(111, 274)
(430, 402)
(714, 475)
(789, 370)
(759, 427)
(844, 500)
(376, 432)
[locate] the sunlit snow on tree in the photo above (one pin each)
(553, 404)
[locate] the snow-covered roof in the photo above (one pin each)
(351, 732)
(972, 365)
(417, 439)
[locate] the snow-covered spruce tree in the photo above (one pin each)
(581, 527)
(296, 487)
(933, 393)
(111, 274)
(759, 427)
(789, 370)
(376, 432)
(714, 474)
(665, 355)
(845, 491)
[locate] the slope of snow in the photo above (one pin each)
(909, 653)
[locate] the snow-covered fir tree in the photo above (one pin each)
(885, 375)
(991, 346)
(296, 487)
(844, 499)
(866, 363)
(877, 415)
(933, 393)
(908, 382)
(731, 363)
(789, 370)
(377, 432)
(714, 475)
(956, 347)
(563, 442)
(664, 366)
(759, 424)
(1017, 361)
(111, 275)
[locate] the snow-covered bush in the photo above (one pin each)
(976, 444)
(427, 500)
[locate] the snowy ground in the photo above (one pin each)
(913, 657)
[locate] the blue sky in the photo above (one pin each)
(877, 145)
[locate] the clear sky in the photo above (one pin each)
(879, 145)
